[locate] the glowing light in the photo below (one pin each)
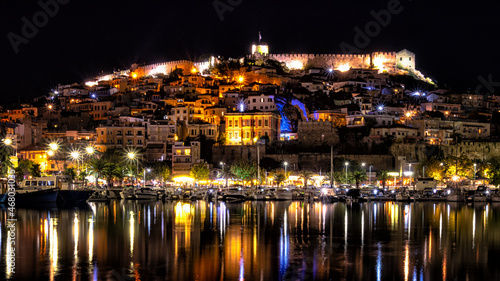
(295, 64)
(344, 67)
(380, 108)
(51, 153)
(183, 179)
(379, 62)
(53, 146)
(74, 155)
(193, 70)
(241, 79)
(131, 155)
(90, 150)
(90, 83)
(132, 232)
(330, 70)
(50, 106)
(134, 75)
(242, 106)
(7, 141)
(455, 178)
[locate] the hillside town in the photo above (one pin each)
(293, 119)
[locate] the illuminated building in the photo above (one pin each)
(184, 156)
(398, 132)
(242, 128)
(260, 102)
(128, 131)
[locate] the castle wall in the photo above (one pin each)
(473, 150)
(317, 133)
(384, 61)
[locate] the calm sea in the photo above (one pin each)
(128, 240)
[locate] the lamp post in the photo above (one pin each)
(256, 140)
(370, 174)
(75, 155)
(53, 147)
(9, 143)
(286, 164)
(148, 170)
(411, 176)
(131, 155)
(346, 165)
(474, 183)
(223, 172)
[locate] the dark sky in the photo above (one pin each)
(454, 42)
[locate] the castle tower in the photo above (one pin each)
(261, 49)
(405, 60)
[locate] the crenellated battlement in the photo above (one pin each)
(384, 61)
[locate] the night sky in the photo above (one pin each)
(454, 42)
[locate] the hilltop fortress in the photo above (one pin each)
(384, 61)
(388, 62)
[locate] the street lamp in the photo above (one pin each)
(256, 141)
(75, 155)
(54, 146)
(286, 164)
(223, 172)
(7, 141)
(346, 165)
(132, 157)
(90, 150)
(474, 183)
(411, 176)
(145, 170)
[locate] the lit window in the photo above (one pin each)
(188, 151)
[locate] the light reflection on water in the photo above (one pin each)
(257, 241)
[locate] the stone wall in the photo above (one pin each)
(317, 133)
(382, 60)
(474, 150)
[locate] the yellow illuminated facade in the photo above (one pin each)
(242, 128)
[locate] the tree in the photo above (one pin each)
(358, 176)
(110, 171)
(306, 175)
(35, 170)
(70, 172)
(162, 171)
(22, 169)
(200, 171)
(97, 166)
(244, 170)
(434, 169)
(279, 178)
(383, 176)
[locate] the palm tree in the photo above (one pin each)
(279, 178)
(358, 176)
(97, 166)
(383, 176)
(306, 175)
